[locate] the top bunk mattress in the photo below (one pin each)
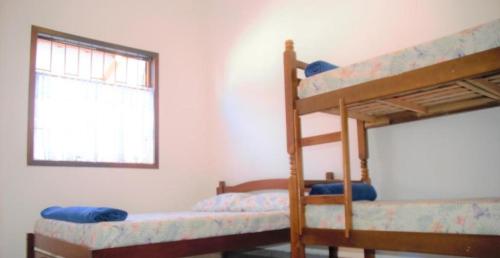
(470, 41)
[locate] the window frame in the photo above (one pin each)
(153, 75)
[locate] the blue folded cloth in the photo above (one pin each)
(318, 67)
(360, 191)
(82, 214)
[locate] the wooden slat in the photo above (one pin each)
(353, 114)
(377, 124)
(356, 107)
(441, 98)
(477, 89)
(383, 111)
(378, 110)
(487, 86)
(457, 69)
(367, 106)
(456, 98)
(301, 65)
(424, 93)
(359, 116)
(408, 116)
(321, 139)
(404, 105)
(436, 243)
(323, 199)
(454, 106)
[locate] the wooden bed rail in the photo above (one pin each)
(301, 65)
(435, 243)
(269, 184)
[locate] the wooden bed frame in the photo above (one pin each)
(467, 83)
(179, 248)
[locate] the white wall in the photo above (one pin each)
(171, 28)
(449, 157)
(222, 110)
(248, 130)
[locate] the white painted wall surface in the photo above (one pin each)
(249, 127)
(225, 57)
(449, 157)
(171, 28)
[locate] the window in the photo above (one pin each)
(91, 103)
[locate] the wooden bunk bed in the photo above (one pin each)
(461, 84)
(41, 246)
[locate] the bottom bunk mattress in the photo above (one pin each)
(472, 216)
(161, 227)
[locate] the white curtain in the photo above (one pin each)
(78, 120)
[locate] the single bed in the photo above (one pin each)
(172, 234)
(456, 73)
(479, 216)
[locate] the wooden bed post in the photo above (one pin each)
(299, 170)
(222, 187)
(291, 82)
(363, 151)
(329, 176)
(30, 245)
(344, 135)
(333, 252)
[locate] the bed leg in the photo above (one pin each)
(298, 251)
(369, 253)
(363, 151)
(333, 252)
(30, 245)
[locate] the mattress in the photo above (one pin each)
(472, 216)
(161, 227)
(470, 41)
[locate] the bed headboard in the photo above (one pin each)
(268, 184)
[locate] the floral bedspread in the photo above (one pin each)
(162, 227)
(470, 41)
(474, 216)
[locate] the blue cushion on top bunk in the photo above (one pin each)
(318, 67)
(83, 214)
(360, 191)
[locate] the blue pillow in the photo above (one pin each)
(83, 214)
(360, 191)
(318, 67)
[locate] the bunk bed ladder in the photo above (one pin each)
(295, 143)
(345, 198)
